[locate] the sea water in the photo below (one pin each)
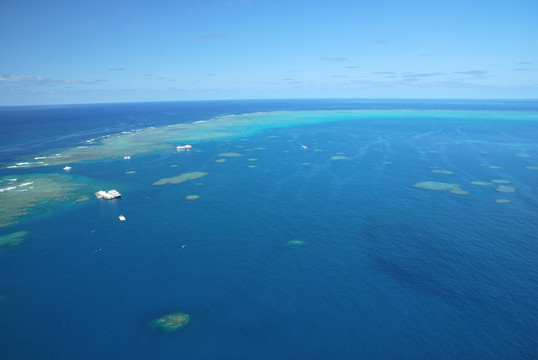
(321, 229)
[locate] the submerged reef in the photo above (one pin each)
(12, 239)
(181, 178)
(445, 172)
(339, 157)
(230, 154)
(481, 183)
(500, 181)
(441, 186)
(171, 322)
(435, 185)
(296, 243)
(505, 189)
(19, 194)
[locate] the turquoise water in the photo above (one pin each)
(314, 243)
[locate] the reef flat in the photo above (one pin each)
(156, 139)
(19, 194)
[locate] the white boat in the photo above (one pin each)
(108, 195)
(121, 217)
(126, 157)
(67, 168)
(184, 147)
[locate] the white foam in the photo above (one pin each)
(8, 188)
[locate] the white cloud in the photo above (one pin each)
(472, 72)
(423, 75)
(41, 80)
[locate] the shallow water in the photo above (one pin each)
(338, 259)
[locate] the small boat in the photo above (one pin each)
(121, 217)
(126, 157)
(184, 147)
(67, 168)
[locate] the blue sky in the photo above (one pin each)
(70, 51)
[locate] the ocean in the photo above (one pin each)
(292, 229)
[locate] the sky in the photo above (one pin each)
(94, 51)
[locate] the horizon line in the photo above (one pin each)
(270, 99)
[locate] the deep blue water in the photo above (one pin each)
(386, 271)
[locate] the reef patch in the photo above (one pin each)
(171, 322)
(180, 178)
